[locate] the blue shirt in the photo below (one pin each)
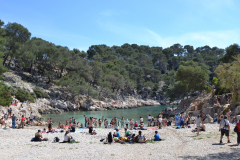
(118, 134)
(157, 138)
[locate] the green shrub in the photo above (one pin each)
(5, 94)
(23, 95)
(225, 110)
(40, 93)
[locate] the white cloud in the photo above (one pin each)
(220, 39)
(140, 35)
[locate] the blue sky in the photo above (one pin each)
(80, 23)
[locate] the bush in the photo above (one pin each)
(225, 110)
(23, 95)
(5, 94)
(40, 93)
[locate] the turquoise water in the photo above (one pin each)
(134, 114)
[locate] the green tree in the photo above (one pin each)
(17, 35)
(193, 75)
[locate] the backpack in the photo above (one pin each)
(223, 123)
(56, 139)
(235, 129)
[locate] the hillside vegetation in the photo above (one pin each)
(108, 70)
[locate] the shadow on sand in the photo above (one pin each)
(234, 154)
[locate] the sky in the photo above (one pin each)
(80, 23)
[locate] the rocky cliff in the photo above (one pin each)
(62, 100)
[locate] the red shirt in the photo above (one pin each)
(238, 127)
(22, 119)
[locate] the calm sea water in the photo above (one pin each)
(134, 114)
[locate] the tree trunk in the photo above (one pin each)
(5, 59)
(213, 92)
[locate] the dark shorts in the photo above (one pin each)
(31, 120)
(224, 131)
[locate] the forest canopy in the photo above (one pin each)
(107, 70)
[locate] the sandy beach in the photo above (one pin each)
(177, 144)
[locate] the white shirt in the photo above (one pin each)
(224, 124)
(126, 121)
(198, 122)
(159, 119)
(149, 117)
(141, 119)
(31, 116)
(66, 137)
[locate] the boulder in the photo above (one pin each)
(195, 113)
(237, 110)
(209, 111)
(238, 117)
(209, 119)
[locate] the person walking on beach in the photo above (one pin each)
(238, 132)
(14, 118)
(198, 123)
(224, 127)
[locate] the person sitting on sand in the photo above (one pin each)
(117, 133)
(38, 136)
(127, 133)
(140, 138)
(109, 138)
(81, 126)
(2, 122)
(72, 128)
(67, 137)
(156, 136)
(59, 125)
(90, 130)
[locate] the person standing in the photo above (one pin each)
(10, 112)
(149, 120)
(86, 120)
(31, 118)
(22, 121)
(182, 121)
(160, 122)
(14, 118)
(224, 127)
(122, 122)
(238, 132)
(198, 123)
(141, 121)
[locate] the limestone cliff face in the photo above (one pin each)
(62, 100)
